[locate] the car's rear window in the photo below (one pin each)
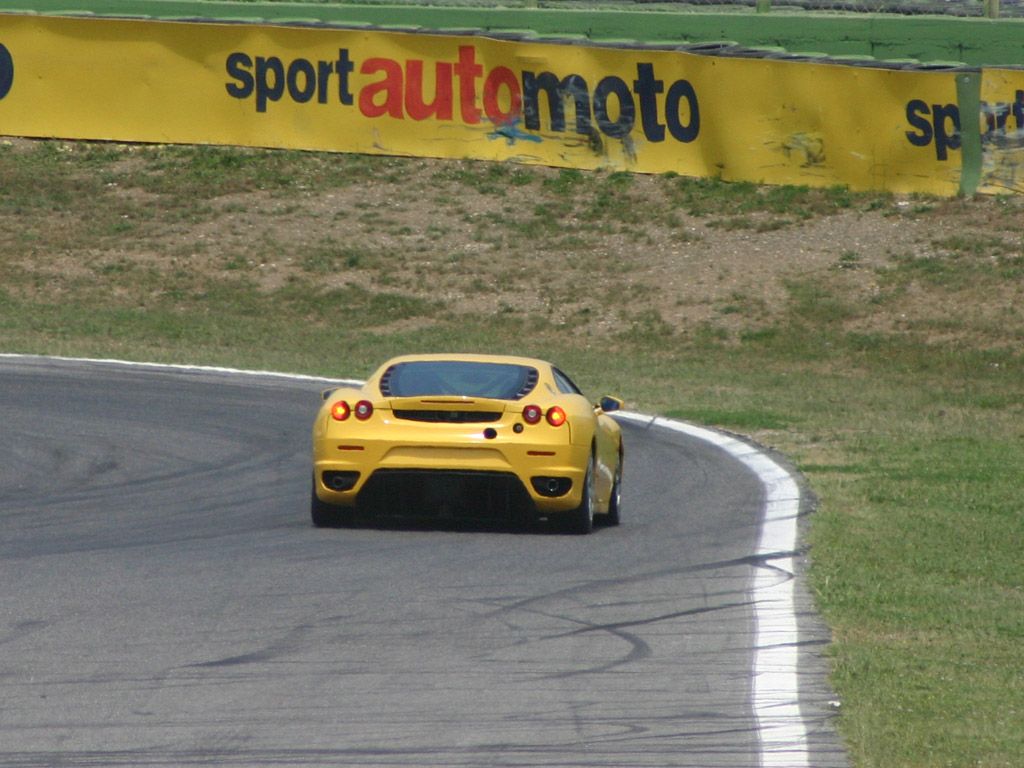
(501, 381)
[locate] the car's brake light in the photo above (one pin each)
(556, 416)
(340, 411)
(532, 414)
(364, 410)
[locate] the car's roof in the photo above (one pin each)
(469, 358)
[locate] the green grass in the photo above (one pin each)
(924, 551)
(903, 407)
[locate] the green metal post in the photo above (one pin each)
(968, 97)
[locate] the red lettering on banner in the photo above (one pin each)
(390, 87)
(467, 70)
(415, 106)
(496, 79)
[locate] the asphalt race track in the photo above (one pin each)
(165, 601)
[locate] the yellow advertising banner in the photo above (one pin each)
(1002, 131)
(419, 94)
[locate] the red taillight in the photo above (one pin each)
(340, 411)
(556, 416)
(532, 414)
(364, 410)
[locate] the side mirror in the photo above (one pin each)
(609, 404)
(326, 393)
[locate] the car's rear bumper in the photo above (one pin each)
(550, 477)
(444, 494)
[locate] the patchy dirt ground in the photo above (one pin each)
(594, 250)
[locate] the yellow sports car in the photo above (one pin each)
(454, 436)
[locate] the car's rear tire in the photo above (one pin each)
(326, 515)
(615, 499)
(581, 519)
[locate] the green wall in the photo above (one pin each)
(924, 38)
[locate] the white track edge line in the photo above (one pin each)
(781, 730)
(180, 367)
(782, 733)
